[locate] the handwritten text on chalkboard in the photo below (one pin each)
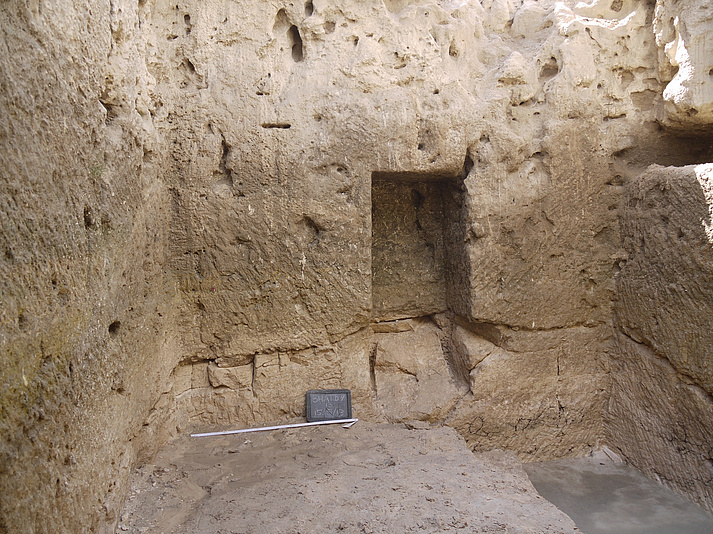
(324, 405)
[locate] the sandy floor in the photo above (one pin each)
(369, 478)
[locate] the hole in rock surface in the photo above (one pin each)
(296, 41)
(114, 328)
(549, 70)
(22, 322)
(89, 220)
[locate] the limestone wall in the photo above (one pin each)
(86, 306)
(275, 161)
(661, 406)
(210, 207)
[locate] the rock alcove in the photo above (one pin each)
(208, 208)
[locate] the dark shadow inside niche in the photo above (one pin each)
(667, 147)
(418, 258)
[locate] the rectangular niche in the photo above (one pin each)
(417, 251)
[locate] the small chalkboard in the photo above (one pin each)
(328, 404)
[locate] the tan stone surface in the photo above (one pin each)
(682, 32)
(541, 395)
(660, 421)
(392, 327)
(87, 308)
(667, 282)
(188, 185)
(412, 376)
(236, 378)
(369, 478)
(473, 348)
(661, 408)
(272, 387)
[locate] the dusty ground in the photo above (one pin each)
(368, 478)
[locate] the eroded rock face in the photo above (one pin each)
(210, 207)
(660, 420)
(539, 393)
(661, 404)
(86, 307)
(412, 376)
(683, 36)
(396, 161)
(271, 386)
(666, 285)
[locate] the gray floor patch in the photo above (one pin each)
(604, 498)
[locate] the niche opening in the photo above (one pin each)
(418, 261)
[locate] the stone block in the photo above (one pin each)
(236, 378)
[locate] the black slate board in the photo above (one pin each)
(328, 404)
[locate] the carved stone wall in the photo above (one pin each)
(193, 227)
